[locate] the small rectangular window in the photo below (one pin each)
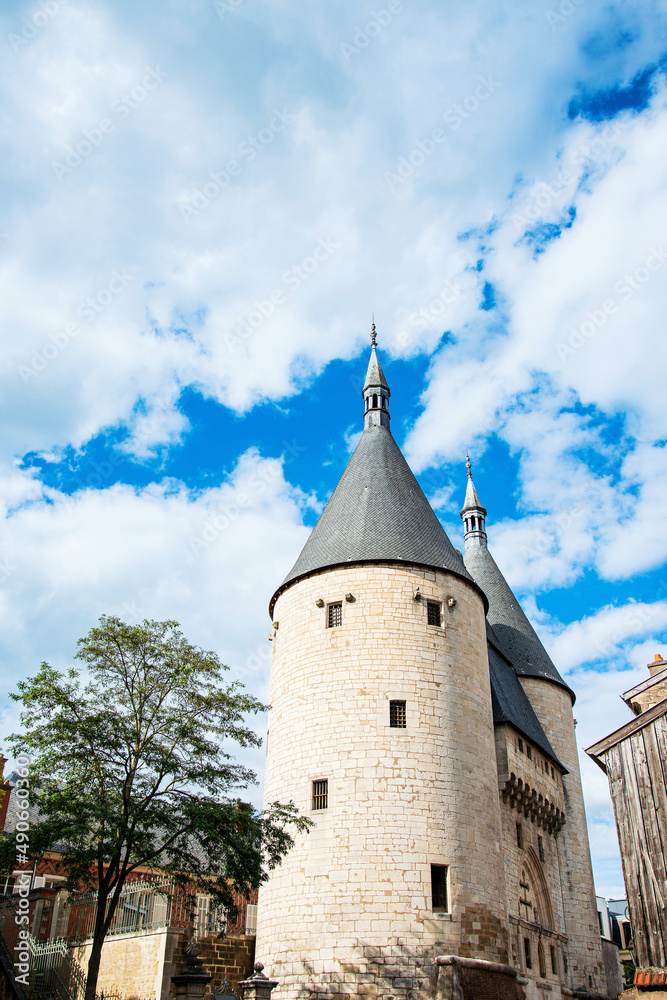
(321, 794)
(439, 888)
(433, 612)
(540, 848)
(335, 615)
(554, 965)
(526, 951)
(519, 836)
(520, 746)
(552, 774)
(397, 716)
(529, 752)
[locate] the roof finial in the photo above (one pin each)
(373, 333)
(468, 465)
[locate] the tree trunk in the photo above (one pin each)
(94, 965)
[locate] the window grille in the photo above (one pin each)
(433, 612)
(321, 794)
(439, 888)
(335, 615)
(397, 715)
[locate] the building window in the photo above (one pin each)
(519, 836)
(552, 774)
(397, 717)
(529, 752)
(554, 963)
(526, 951)
(541, 961)
(375, 401)
(433, 612)
(520, 746)
(335, 615)
(540, 848)
(321, 794)
(439, 888)
(565, 963)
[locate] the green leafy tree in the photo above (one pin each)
(132, 767)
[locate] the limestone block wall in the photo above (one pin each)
(553, 707)
(138, 964)
(350, 908)
(538, 853)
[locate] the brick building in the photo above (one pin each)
(417, 719)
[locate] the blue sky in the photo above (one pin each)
(202, 205)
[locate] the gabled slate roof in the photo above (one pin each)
(510, 702)
(378, 512)
(515, 636)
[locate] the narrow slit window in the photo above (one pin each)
(529, 752)
(526, 951)
(335, 615)
(519, 836)
(321, 794)
(433, 612)
(554, 963)
(439, 888)
(520, 746)
(540, 848)
(375, 401)
(397, 715)
(541, 961)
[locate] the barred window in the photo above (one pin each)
(397, 716)
(433, 612)
(335, 615)
(321, 794)
(439, 888)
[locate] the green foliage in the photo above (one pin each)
(131, 767)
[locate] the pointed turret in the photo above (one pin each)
(473, 514)
(516, 637)
(378, 511)
(376, 390)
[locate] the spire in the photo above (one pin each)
(473, 514)
(376, 391)
(378, 512)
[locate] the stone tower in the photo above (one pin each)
(381, 731)
(432, 748)
(552, 858)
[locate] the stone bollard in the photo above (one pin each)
(193, 981)
(258, 987)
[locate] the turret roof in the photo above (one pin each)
(377, 513)
(472, 501)
(516, 637)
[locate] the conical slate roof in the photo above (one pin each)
(516, 637)
(378, 512)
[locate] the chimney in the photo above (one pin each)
(658, 664)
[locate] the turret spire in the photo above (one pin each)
(473, 514)
(376, 390)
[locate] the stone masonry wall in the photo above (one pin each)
(532, 771)
(553, 707)
(134, 964)
(350, 910)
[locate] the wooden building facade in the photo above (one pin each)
(634, 758)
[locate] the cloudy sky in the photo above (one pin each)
(203, 203)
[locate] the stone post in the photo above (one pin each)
(258, 987)
(191, 983)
